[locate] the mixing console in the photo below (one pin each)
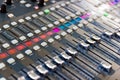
(59, 40)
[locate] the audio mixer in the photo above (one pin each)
(59, 40)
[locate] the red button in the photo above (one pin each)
(20, 47)
(49, 33)
(12, 51)
(36, 39)
(3, 55)
(28, 43)
(43, 36)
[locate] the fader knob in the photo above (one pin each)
(3, 8)
(9, 2)
(33, 0)
(41, 3)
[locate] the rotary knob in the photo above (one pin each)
(41, 3)
(3, 8)
(9, 2)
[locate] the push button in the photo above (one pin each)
(36, 47)
(46, 11)
(11, 60)
(20, 56)
(2, 65)
(28, 52)
(6, 45)
(6, 26)
(22, 38)
(3, 78)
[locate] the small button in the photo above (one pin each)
(56, 29)
(46, 11)
(6, 26)
(11, 60)
(52, 8)
(67, 17)
(117, 20)
(63, 4)
(69, 30)
(50, 25)
(10, 15)
(51, 40)
(6, 45)
(85, 22)
(73, 15)
(28, 18)
(75, 27)
(43, 44)
(58, 6)
(13, 23)
(20, 47)
(21, 78)
(28, 5)
(20, 56)
(37, 31)
(63, 33)
(34, 15)
(110, 16)
(2, 65)
(28, 52)
(80, 25)
(36, 47)
(40, 13)
(44, 28)
(90, 20)
(56, 22)
(95, 17)
(3, 78)
(21, 20)
(78, 13)
(22, 38)
(57, 37)
(62, 20)
(14, 41)
(67, 2)
(22, 1)
(30, 34)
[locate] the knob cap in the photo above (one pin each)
(3, 8)
(33, 0)
(9, 2)
(41, 3)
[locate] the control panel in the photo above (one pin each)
(59, 40)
